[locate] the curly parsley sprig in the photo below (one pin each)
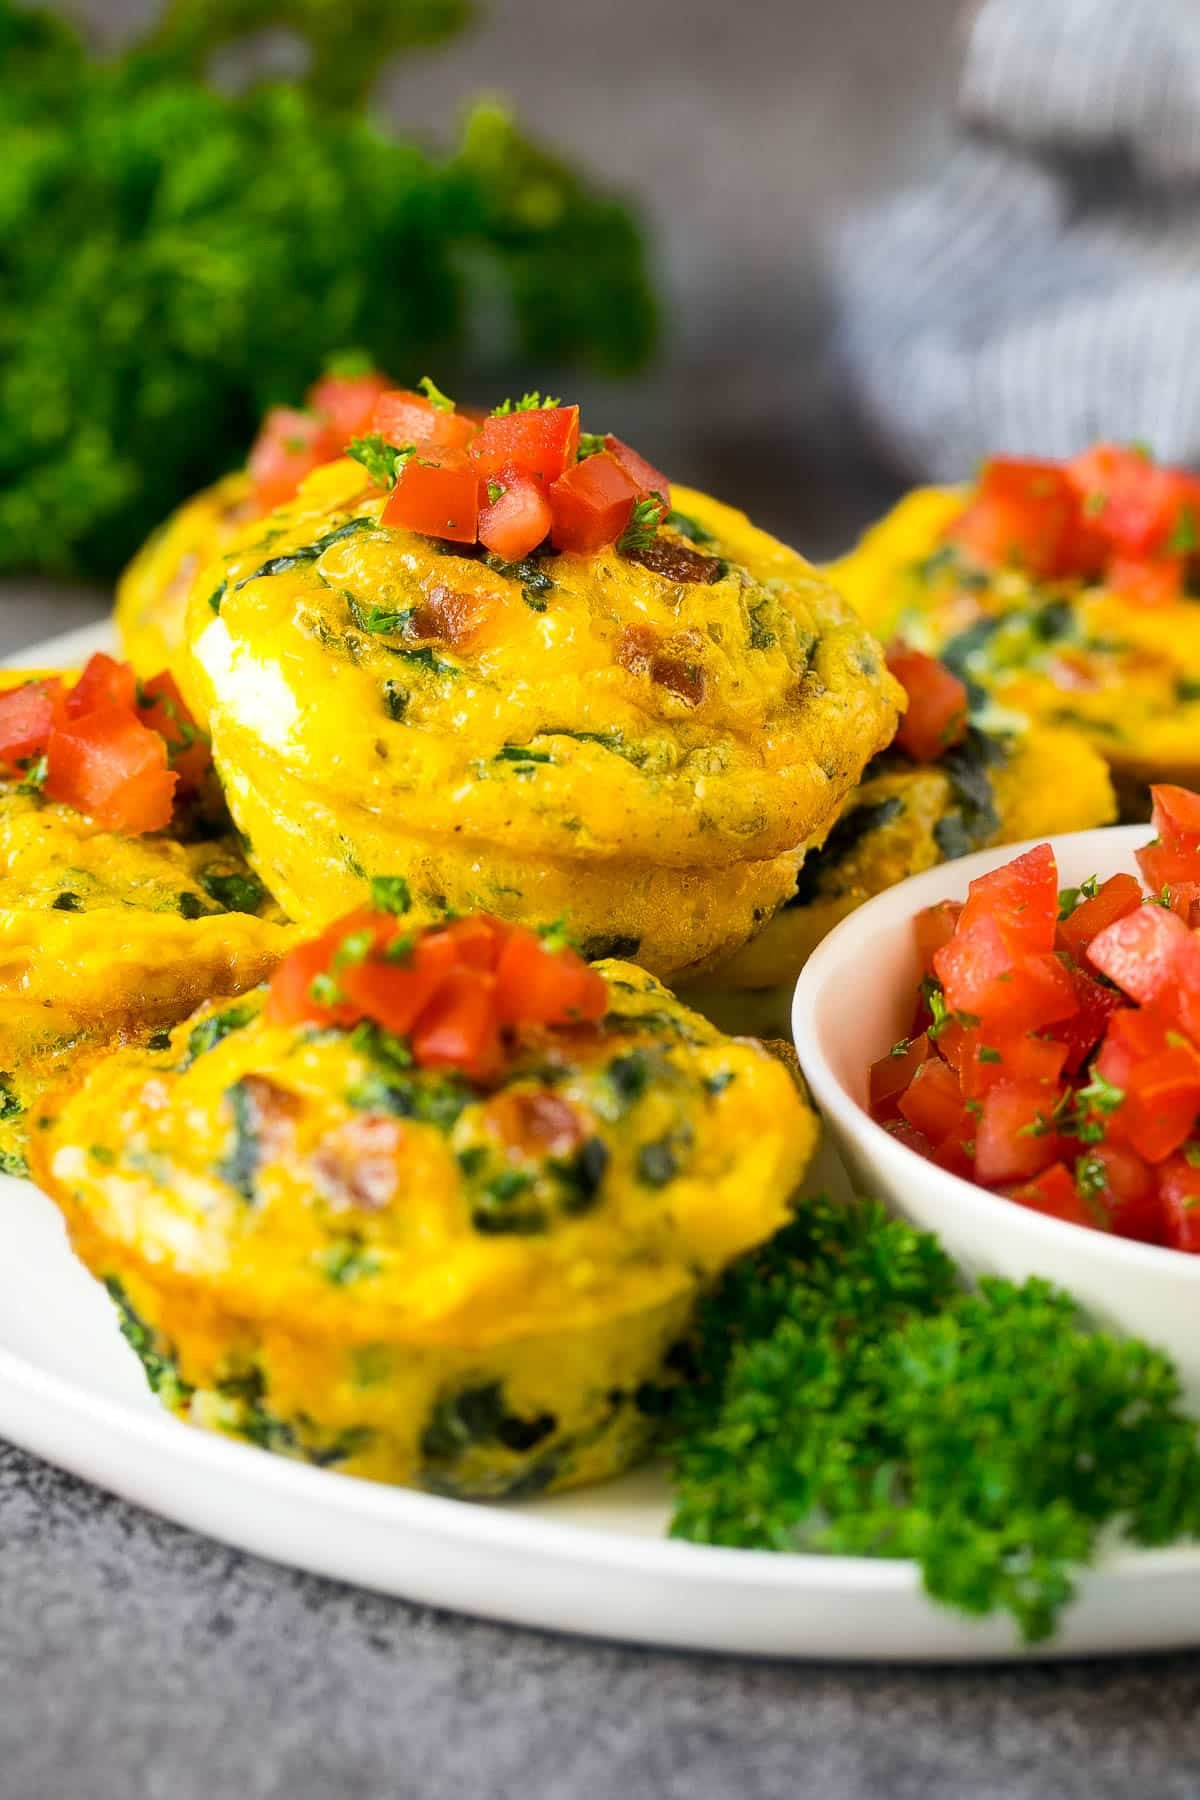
(850, 1397)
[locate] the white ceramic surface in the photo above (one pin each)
(854, 998)
(594, 1563)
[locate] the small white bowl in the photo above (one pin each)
(854, 999)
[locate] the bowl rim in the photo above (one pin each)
(892, 908)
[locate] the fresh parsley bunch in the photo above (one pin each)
(173, 260)
(850, 1397)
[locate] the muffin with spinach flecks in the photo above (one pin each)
(433, 1209)
(499, 661)
(1066, 593)
(118, 920)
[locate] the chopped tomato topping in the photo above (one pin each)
(1114, 899)
(1179, 1188)
(543, 442)
(289, 446)
(894, 1072)
(403, 417)
(436, 493)
(401, 979)
(1095, 1006)
(1147, 954)
(535, 989)
(1176, 817)
(987, 1058)
(591, 505)
(1144, 581)
(1127, 1190)
(104, 682)
(459, 1028)
(1015, 1135)
(983, 975)
(1025, 514)
(112, 767)
(28, 714)
(1054, 1193)
(347, 405)
(935, 927)
(933, 1102)
(1132, 502)
(1022, 897)
(516, 517)
(936, 718)
(162, 707)
(647, 479)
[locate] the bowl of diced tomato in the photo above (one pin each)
(1007, 1049)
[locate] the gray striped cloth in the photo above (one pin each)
(1042, 288)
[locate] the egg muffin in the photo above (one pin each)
(152, 594)
(1064, 593)
(904, 817)
(472, 1284)
(639, 740)
(106, 935)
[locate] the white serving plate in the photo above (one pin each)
(594, 1563)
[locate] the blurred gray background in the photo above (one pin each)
(747, 131)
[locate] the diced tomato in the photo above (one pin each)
(952, 1154)
(437, 494)
(536, 986)
(1179, 1190)
(110, 766)
(347, 404)
(459, 1029)
(1162, 865)
(892, 1073)
(1147, 954)
(1115, 899)
(289, 446)
(983, 975)
(104, 682)
(28, 714)
(907, 1134)
(518, 519)
(1157, 1070)
(162, 707)
(1054, 1193)
(543, 442)
(934, 927)
(936, 718)
(477, 940)
(591, 505)
(991, 1057)
(933, 1101)
(1146, 581)
(1025, 513)
(647, 478)
(1130, 501)
(395, 991)
(1081, 1033)
(1014, 1137)
(402, 417)
(1022, 897)
(1176, 816)
(290, 998)
(1129, 1192)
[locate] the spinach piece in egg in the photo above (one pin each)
(156, 1356)
(234, 892)
(855, 824)
(306, 553)
(211, 1031)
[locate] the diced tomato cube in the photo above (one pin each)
(1147, 953)
(933, 1101)
(516, 521)
(1054, 1193)
(1022, 896)
(647, 478)
(1026, 514)
(347, 404)
(543, 442)
(28, 714)
(1014, 1136)
(437, 494)
(104, 682)
(402, 417)
(1157, 1071)
(290, 997)
(289, 446)
(477, 940)
(907, 1134)
(591, 505)
(890, 1076)
(1115, 899)
(162, 707)
(936, 718)
(991, 1057)
(536, 986)
(1082, 1032)
(1147, 581)
(1163, 865)
(110, 766)
(953, 1153)
(1130, 501)
(1128, 1192)
(1179, 1190)
(459, 1028)
(982, 975)
(934, 927)
(1176, 815)
(395, 991)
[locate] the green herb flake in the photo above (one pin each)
(381, 460)
(391, 894)
(642, 528)
(234, 892)
(439, 401)
(211, 1031)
